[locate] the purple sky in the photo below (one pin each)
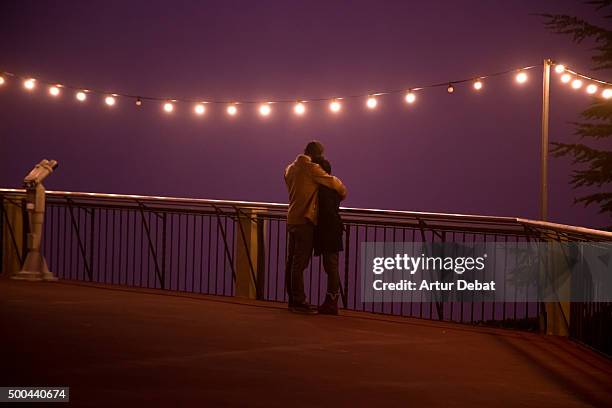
(464, 153)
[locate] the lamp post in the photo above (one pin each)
(544, 148)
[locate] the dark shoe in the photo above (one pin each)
(330, 306)
(303, 308)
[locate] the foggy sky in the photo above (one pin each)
(468, 152)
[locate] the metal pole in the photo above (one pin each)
(544, 153)
(545, 307)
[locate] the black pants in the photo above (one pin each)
(298, 257)
(330, 263)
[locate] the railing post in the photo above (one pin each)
(13, 230)
(557, 270)
(250, 255)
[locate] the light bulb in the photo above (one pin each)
(410, 97)
(2, 81)
(335, 106)
(138, 102)
(559, 68)
(299, 108)
(576, 83)
(29, 84)
(264, 109)
(591, 89)
(607, 93)
(372, 102)
(54, 91)
(81, 96)
(521, 77)
(478, 85)
(450, 88)
(168, 107)
(232, 110)
(199, 109)
(565, 78)
(109, 100)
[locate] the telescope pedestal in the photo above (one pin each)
(35, 266)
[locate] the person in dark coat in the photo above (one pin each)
(328, 239)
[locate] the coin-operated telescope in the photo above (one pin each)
(35, 266)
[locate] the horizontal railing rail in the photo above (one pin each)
(229, 248)
(438, 220)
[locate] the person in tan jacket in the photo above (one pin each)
(303, 178)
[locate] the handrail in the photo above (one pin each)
(359, 212)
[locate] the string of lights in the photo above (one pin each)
(593, 86)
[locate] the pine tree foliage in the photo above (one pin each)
(594, 166)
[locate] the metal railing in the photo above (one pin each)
(235, 247)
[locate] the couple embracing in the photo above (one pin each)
(314, 224)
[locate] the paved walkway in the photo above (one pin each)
(117, 347)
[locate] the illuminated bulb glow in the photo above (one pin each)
(450, 89)
(607, 93)
(565, 78)
(199, 109)
(264, 110)
(109, 100)
(478, 85)
(299, 108)
(559, 68)
(2, 80)
(576, 84)
(232, 110)
(29, 84)
(521, 77)
(335, 106)
(410, 97)
(81, 96)
(591, 89)
(54, 91)
(372, 102)
(168, 107)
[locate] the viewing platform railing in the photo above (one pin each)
(238, 248)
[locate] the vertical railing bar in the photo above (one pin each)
(134, 226)
(347, 243)
(92, 226)
(119, 272)
(233, 249)
(106, 225)
(193, 257)
(366, 240)
(186, 263)
(141, 261)
(356, 270)
(201, 251)
(209, 274)
(178, 254)
(277, 260)
(164, 240)
(269, 258)
(224, 259)
(217, 253)
(482, 303)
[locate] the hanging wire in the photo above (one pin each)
(139, 98)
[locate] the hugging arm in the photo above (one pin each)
(324, 179)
